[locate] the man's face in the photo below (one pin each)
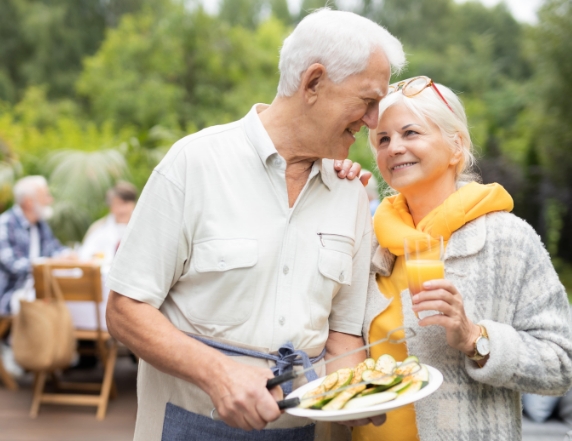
(121, 210)
(43, 203)
(342, 109)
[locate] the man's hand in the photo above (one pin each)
(349, 170)
(238, 391)
(240, 396)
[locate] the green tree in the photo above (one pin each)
(187, 70)
(44, 41)
(551, 45)
(245, 13)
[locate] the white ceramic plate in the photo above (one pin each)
(435, 380)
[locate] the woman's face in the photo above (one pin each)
(412, 155)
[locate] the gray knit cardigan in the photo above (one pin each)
(499, 265)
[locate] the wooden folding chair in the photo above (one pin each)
(77, 282)
(5, 377)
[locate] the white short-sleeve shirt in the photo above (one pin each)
(215, 246)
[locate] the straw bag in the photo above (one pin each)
(43, 333)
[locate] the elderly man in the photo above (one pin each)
(24, 236)
(245, 239)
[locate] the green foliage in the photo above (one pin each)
(79, 180)
(186, 67)
(44, 41)
(245, 13)
(94, 90)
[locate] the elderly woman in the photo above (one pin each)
(502, 327)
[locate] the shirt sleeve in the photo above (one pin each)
(8, 260)
(153, 250)
(348, 308)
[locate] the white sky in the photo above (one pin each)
(522, 10)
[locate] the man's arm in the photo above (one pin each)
(16, 266)
(339, 343)
(238, 391)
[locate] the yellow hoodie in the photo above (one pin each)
(392, 223)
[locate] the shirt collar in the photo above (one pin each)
(259, 138)
(20, 216)
(257, 134)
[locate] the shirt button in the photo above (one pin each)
(222, 265)
(342, 277)
(281, 320)
(285, 270)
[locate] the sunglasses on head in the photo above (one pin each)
(414, 86)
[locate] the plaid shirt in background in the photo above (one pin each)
(15, 266)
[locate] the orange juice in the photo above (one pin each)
(420, 271)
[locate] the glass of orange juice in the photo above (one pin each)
(423, 262)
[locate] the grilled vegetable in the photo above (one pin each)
(339, 401)
(386, 379)
(345, 375)
(407, 368)
(358, 371)
(401, 387)
(330, 381)
(380, 379)
(309, 399)
(414, 386)
(385, 364)
(370, 363)
(370, 400)
(421, 375)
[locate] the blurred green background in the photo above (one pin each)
(92, 91)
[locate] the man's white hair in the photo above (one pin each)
(341, 41)
(27, 187)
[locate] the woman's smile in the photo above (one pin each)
(402, 166)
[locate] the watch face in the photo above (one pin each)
(483, 346)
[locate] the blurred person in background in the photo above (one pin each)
(24, 236)
(500, 323)
(103, 236)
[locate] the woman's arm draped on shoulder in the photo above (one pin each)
(534, 352)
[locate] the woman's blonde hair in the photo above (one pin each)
(427, 105)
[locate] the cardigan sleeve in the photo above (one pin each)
(533, 353)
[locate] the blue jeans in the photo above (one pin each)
(182, 425)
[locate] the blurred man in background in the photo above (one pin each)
(24, 236)
(102, 239)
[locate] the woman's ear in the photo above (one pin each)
(457, 150)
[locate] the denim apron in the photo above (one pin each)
(182, 425)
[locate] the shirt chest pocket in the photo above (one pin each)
(219, 287)
(217, 255)
(336, 266)
(334, 270)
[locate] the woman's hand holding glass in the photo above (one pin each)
(442, 296)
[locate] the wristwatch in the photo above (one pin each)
(482, 345)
